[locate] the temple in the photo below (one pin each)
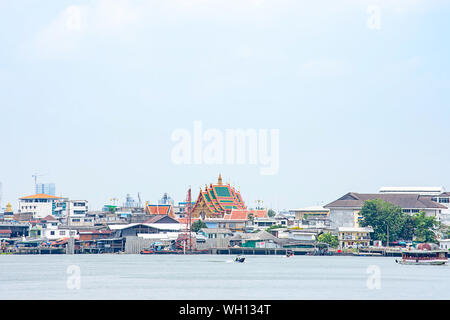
(217, 200)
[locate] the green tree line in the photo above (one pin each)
(386, 218)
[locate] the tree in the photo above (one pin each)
(271, 213)
(328, 238)
(384, 218)
(425, 227)
(408, 229)
(197, 225)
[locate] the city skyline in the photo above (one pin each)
(93, 91)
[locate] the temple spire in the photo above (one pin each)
(219, 181)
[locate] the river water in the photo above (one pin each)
(217, 277)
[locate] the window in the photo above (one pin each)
(443, 200)
(62, 233)
(52, 233)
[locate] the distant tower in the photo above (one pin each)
(130, 202)
(219, 181)
(166, 199)
(46, 188)
(8, 214)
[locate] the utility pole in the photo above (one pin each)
(190, 219)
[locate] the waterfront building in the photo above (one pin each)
(353, 237)
(180, 210)
(80, 221)
(314, 217)
(216, 200)
(157, 209)
(302, 235)
(50, 228)
(422, 191)
(45, 188)
(306, 213)
(16, 229)
(443, 199)
(261, 239)
(444, 244)
(344, 212)
(437, 194)
(5, 234)
(264, 223)
(42, 205)
(213, 233)
(91, 235)
(77, 208)
(143, 229)
(235, 221)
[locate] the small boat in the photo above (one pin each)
(239, 259)
(424, 257)
(147, 251)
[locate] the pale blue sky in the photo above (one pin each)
(92, 102)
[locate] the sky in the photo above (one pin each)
(91, 93)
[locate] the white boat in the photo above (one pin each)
(424, 257)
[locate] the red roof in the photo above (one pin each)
(40, 196)
(186, 220)
(5, 231)
(159, 209)
(95, 231)
(237, 215)
(259, 213)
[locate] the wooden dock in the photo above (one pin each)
(40, 250)
(261, 251)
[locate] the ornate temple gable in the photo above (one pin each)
(217, 200)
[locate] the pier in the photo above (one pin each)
(261, 251)
(40, 250)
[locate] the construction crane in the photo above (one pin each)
(35, 176)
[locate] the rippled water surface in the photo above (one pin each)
(217, 277)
